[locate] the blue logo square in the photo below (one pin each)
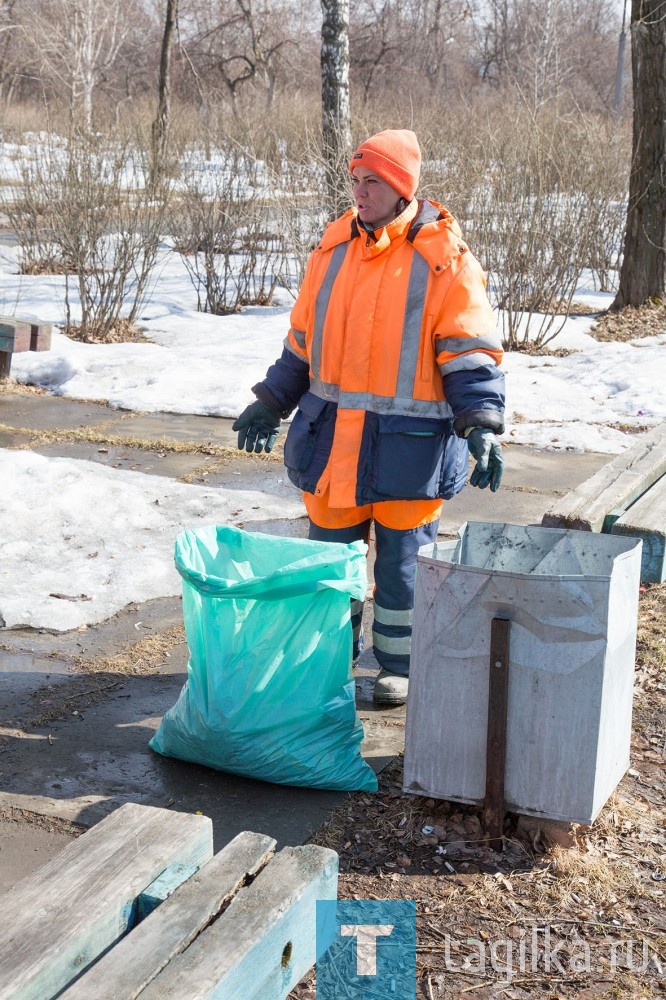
(366, 949)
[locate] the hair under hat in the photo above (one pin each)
(395, 156)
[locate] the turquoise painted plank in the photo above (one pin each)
(163, 886)
(60, 919)
(264, 942)
(617, 484)
(646, 519)
(143, 953)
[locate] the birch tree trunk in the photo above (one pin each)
(336, 113)
(643, 270)
(162, 121)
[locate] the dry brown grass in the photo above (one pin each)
(139, 658)
(122, 332)
(94, 678)
(631, 323)
(100, 435)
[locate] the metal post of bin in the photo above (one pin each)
(498, 691)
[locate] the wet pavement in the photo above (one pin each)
(89, 753)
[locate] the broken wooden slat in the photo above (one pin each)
(138, 958)
(264, 942)
(158, 891)
(61, 918)
(646, 519)
(615, 486)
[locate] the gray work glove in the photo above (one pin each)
(258, 427)
(486, 449)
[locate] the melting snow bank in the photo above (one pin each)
(86, 540)
(591, 400)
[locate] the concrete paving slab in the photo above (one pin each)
(45, 412)
(12, 439)
(95, 756)
(532, 481)
(83, 766)
(173, 465)
(25, 845)
(181, 427)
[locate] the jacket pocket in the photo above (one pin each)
(408, 458)
(454, 467)
(310, 435)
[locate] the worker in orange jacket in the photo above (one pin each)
(392, 365)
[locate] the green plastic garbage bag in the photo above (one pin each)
(269, 691)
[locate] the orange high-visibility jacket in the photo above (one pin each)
(392, 342)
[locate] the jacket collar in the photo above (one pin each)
(347, 228)
(437, 236)
(427, 224)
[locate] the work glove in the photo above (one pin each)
(486, 449)
(258, 427)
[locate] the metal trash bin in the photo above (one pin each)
(571, 598)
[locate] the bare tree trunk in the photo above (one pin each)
(643, 270)
(336, 113)
(162, 121)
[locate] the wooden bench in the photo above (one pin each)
(18, 335)
(138, 906)
(626, 496)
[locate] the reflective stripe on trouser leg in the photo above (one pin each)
(353, 533)
(395, 571)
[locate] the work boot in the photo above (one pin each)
(390, 689)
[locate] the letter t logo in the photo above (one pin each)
(366, 944)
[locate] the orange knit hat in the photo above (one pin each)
(395, 156)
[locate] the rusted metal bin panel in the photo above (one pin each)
(571, 598)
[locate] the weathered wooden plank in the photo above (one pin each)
(61, 918)
(24, 335)
(160, 890)
(616, 485)
(646, 519)
(264, 942)
(145, 951)
(40, 337)
(6, 337)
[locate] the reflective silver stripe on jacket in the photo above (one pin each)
(438, 409)
(299, 337)
(321, 304)
(388, 617)
(401, 645)
(465, 362)
(459, 345)
(403, 402)
(286, 343)
(411, 328)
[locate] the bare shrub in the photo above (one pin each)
(224, 231)
(531, 195)
(300, 207)
(603, 174)
(85, 210)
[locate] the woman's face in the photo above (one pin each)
(377, 202)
